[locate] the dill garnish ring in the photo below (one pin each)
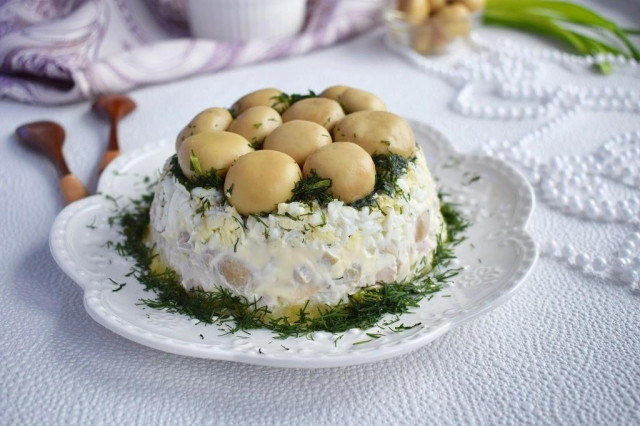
(363, 310)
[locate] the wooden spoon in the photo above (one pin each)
(113, 108)
(48, 137)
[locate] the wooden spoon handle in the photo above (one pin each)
(113, 134)
(72, 189)
(108, 157)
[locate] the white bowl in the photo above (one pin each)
(240, 20)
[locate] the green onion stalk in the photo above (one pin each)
(580, 28)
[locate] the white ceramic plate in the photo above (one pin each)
(497, 256)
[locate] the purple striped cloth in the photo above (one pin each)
(63, 51)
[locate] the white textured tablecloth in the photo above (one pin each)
(564, 350)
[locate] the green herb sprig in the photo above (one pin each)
(284, 101)
(313, 188)
(587, 32)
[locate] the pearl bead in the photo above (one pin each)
(544, 169)
(619, 264)
(624, 214)
(592, 210)
(535, 178)
(486, 150)
(568, 251)
(575, 205)
(596, 168)
(556, 163)
(629, 276)
(624, 253)
(599, 264)
(548, 185)
(582, 260)
(635, 238)
(550, 193)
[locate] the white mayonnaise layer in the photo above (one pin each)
(301, 252)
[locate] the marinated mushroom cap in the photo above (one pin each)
(258, 181)
(435, 5)
(415, 11)
(208, 120)
(325, 112)
(424, 40)
(378, 132)
(350, 168)
(333, 92)
(269, 97)
(200, 154)
(353, 100)
(256, 123)
(298, 138)
(453, 20)
(473, 5)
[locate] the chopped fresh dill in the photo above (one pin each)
(456, 222)
(403, 327)
(284, 101)
(208, 179)
(364, 309)
(119, 285)
(113, 199)
(389, 168)
(241, 222)
(92, 225)
(259, 219)
(313, 188)
(472, 180)
(205, 204)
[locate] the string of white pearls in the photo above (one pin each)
(511, 69)
(571, 184)
(509, 47)
(624, 267)
(574, 184)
